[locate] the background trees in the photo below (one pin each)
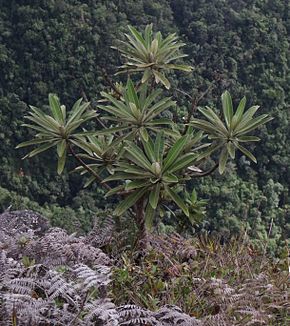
(61, 46)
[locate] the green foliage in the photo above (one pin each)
(150, 171)
(77, 218)
(151, 55)
(230, 135)
(136, 113)
(56, 129)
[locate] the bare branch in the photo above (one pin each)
(91, 171)
(109, 81)
(205, 173)
(194, 104)
(99, 120)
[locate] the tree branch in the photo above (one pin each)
(99, 120)
(183, 92)
(109, 81)
(206, 173)
(194, 104)
(91, 171)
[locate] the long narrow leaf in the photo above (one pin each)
(178, 200)
(174, 152)
(227, 107)
(129, 201)
(154, 196)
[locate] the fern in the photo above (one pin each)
(93, 278)
(173, 315)
(134, 315)
(102, 312)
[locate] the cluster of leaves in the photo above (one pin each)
(152, 169)
(237, 125)
(152, 55)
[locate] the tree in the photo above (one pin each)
(139, 154)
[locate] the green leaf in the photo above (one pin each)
(159, 147)
(136, 184)
(61, 163)
(151, 98)
(177, 199)
(159, 77)
(254, 123)
(174, 152)
(61, 147)
(55, 108)
(183, 162)
(223, 160)
(154, 196)
(214, 119)
(206, 126)
(193, 197)
(162, 121)
(180, 67)
(89, 181)
(239, 113)
(40, 149)
(77, 111)
(169, 178)
(247, 153)
(132, 93)
(129, 201)
(137, 35)
(149, 215)
(139, 157)
(146, 76)
(35, 141)
(231, 149)
(124, 176)
(144, 134)
(157, 108)
(247, 117)
(148, 34)
(113, 191)
(149, 149)
(154, 46)
(227, 107)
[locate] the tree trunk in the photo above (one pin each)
(142, 237)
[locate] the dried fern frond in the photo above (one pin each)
(135, 315)
(101, 312)
(173, 315)
(102, 233)
(90, 278)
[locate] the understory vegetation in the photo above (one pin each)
(63, 47)
(49, 277)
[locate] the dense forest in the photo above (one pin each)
(64, 47)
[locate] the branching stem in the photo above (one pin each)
(109, 81)
(194, 104)
(91, 171)
(99, 120)
(205, 173)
